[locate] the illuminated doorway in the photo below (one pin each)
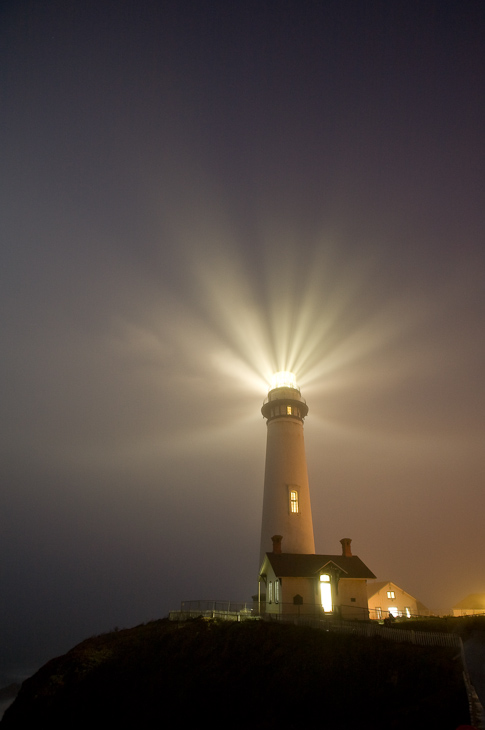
(326, 593)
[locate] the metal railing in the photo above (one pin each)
(224, 610)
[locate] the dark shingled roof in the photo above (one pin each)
(306, 566)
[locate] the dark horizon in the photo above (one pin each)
(195, 195)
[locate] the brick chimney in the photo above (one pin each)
(346, 551)
(277, 544)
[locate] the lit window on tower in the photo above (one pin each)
(293, 501)
(288, 410)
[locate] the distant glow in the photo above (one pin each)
(283, 379)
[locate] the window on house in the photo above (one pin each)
(270, 592)
(391, 594)
(408, 611)
(393, 611)
(378, 612)
(276, 591)
(326, 593)
(293, 501)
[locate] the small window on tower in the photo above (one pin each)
(293, 501)
(288, 410)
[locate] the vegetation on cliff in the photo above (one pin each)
(252, 674)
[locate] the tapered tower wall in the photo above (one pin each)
(286, 502)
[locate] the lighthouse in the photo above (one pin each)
(287, 514)
(293, 580)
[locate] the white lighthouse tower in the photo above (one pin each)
(287, 511)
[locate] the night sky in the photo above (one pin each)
(196, 194)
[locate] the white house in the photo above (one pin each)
(386, 598)
(313, 585)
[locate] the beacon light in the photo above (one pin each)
(283, 379)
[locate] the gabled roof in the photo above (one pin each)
(296, 565)
(373, 588)
(473, 600)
